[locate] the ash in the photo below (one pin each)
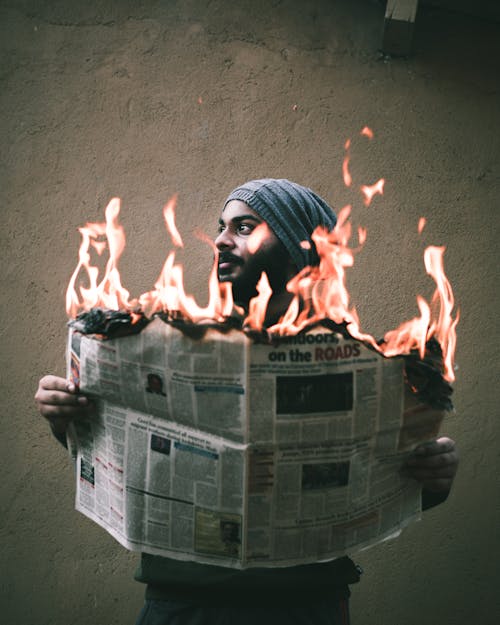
(107, 323)
(425, 377)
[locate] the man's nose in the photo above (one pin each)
(224, 240)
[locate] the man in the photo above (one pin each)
(276, 216)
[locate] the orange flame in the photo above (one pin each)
(370, 190)
(321, 292)
(444, 327)
(317, 292)
(109, 293)
(258, 305)
(168, 293)
(258, 235)
(410, 334)
(165, 295)
(421, 224)
(367, 132)
(99, 246)
(345, 165)
(169, 216)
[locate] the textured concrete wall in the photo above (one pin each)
(101, 99)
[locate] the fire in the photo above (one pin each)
(323, 289)
(374, 189)
(169, 216)
(168, 293)
(258, 305)
(444, 326)
(367, 132)
(257, 236)
(319, 292)
(325, 295)
(109, 293)
(367, 190)
(345, 165)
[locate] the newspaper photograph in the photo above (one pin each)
(224, 451)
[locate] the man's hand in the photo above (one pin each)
(434, 465)
(59, 401)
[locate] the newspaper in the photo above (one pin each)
(227, 452)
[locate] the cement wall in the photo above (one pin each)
(100, 99)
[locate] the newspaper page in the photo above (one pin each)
(226, 452)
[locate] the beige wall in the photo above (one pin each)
(102, 100)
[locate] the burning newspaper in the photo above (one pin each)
(221, 450)
(213, 443)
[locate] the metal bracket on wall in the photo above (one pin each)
(399, 25)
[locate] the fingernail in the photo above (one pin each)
(71, 387)
(83, 400)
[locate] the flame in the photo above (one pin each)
(99, 246)
(258, 235)
(321, 292)
(345, 165)
(169, 216)
(168, 293)
(316, 293)
(369, 191)
(444, 327)
(109, 293)
(367, 132)
(410, 334)
(165, 295)
(258, 305)
(421, 224)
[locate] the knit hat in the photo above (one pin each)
(291, 210)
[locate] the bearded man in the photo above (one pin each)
(187, 593)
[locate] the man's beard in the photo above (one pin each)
(243, 290)
(244, 284)
(274, 263)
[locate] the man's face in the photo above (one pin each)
(241, 267)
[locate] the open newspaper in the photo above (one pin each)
(227, 452)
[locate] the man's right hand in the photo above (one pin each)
(59, 401)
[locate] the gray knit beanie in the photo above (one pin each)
(291, 210)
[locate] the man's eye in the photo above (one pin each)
(220, 228)
(245, 228)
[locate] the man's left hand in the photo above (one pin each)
(434, 464)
